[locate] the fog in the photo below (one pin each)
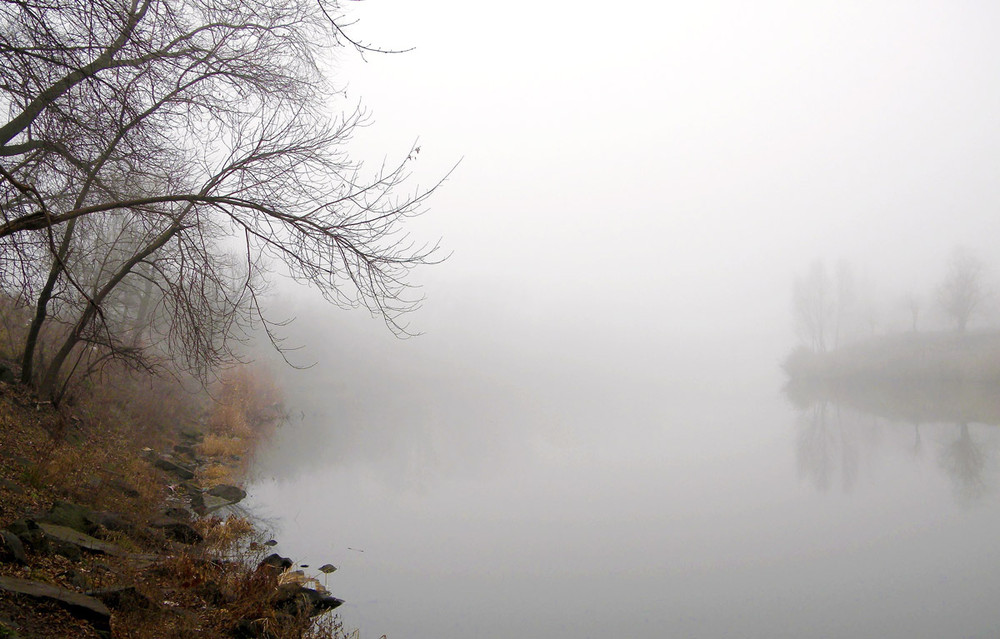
(590, 437)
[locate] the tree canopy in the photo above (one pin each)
(142, 137)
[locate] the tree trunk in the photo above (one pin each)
(48, 385)
(41, 306)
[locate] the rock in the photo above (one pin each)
(191, 434)
(211, 503)
(6, 374)
(197, 501)
(11, 548)
(29, 532)
(183, 449)
(178, 513)
(81, 606)
(80, 540)
(232, 494)
(103, 520)
(63, 535)
(85, 520)
(178, 530)
(172, 467)
(189, 488)
(122, 487)
(122, 598)
(64, 513)
(276, 562)
(295, 599)
(77, 579)
(67, 549)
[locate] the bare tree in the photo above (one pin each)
(846, 297)
(814, 305)
(143, 134)
(963, 291)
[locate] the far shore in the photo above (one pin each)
(928, 357)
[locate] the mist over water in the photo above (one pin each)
(562, 487)
(593, 436)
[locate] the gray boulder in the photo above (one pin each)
(182, 472)
(81, 606)
(232, 494)
(70, 515)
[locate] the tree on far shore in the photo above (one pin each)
(814, 307)
(963, 292)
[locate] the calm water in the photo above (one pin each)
(633, 492)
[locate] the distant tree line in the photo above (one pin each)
(159, 159)
(831, 310)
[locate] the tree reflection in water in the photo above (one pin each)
(841, 424)
(964, 459)
(827, 446)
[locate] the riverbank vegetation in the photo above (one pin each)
(160, 162)
(116, 518)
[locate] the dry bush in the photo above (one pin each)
(246, 410)
(248, 402)
(101, 467)
(223, 536)
(153, 407)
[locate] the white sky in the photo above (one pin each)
(688, 158)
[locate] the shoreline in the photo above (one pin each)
(104, 533)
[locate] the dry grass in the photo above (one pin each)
(248, 403)
(89, 452)
(217, 473)
(223, 536)
(223, 446)
(246, 410)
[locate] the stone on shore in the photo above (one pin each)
(11, 548)
(276, 562)
(182, 472)
(232, 494)
(81, 606)
(295, 599)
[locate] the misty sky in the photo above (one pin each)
(678, 163)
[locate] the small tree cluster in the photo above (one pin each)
(830, 311)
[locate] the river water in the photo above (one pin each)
(572, 490)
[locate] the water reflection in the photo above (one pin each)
(844, 427)
(964, 459)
